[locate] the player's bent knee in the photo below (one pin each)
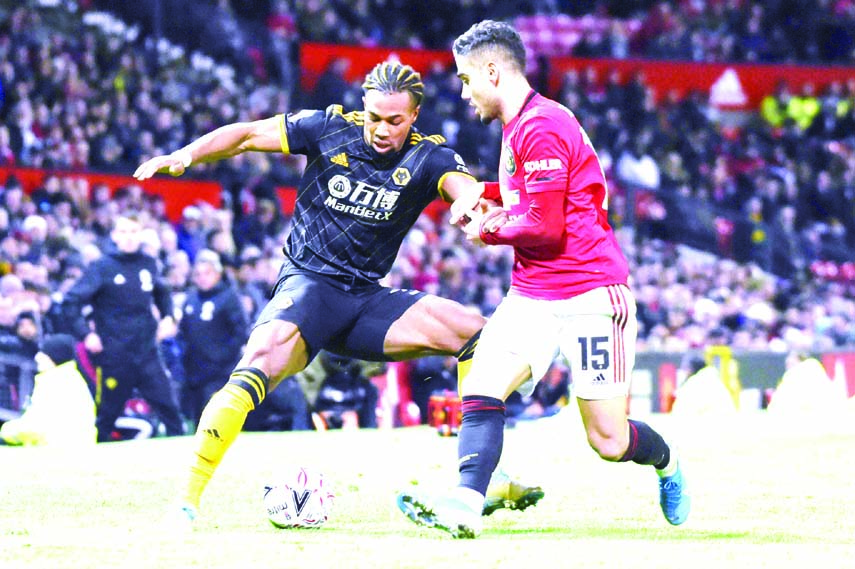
(608, 448)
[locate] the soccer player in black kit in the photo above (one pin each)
(121, 331)
(369, 175)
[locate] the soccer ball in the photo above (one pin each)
(300, 498)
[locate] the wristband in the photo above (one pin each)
(184, 156)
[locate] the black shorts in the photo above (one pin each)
(346, 319)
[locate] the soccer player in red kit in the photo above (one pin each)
(568, 296)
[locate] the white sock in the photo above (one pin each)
(472, 498)
(670, 469)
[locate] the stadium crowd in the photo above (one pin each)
(78, 97)
(698, 30)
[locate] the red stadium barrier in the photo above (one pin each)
(730, 86)
(316, 57)
(177, 194)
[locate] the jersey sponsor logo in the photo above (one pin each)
(339, 186)
(362, 200)
(509, 160)
(401, 177)
(542, 165)
(340, 159)
(358, 210)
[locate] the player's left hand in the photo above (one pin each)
(493, 220)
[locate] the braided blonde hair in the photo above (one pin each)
(395, 77)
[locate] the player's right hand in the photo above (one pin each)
(465, 204)
(165, 164)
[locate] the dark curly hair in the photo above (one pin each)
(492, 35)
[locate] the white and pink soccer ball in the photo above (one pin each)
(300, 498)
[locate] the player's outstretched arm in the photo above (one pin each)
(263, 135)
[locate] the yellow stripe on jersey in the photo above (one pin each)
(435, 138)
(439, 184)
(356, 117)
(283, 136)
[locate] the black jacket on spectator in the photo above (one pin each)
(121, 288)
(213, 330)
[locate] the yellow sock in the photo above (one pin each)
(221, 422)
(464, 359)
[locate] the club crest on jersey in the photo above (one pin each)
(401, 177)
(146, 280)
(510, 162)
(207, 313)
(362, 200)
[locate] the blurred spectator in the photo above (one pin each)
(430, 375)
(123, 288)
(346, 398)
(332, 84)
(285, 409)
(261, 226)
(23, 340)
(191, 232)
(636, 166)
(551, 394)
(701, 393)
(212, 332)
(805, 391)
(249, 281)
(7, 155)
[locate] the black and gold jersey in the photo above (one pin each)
(354, 206)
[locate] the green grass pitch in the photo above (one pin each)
(766, 492)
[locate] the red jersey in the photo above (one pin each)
(554, 190)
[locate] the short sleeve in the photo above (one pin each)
(547, 140)
(303, 130)
(442, 162)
